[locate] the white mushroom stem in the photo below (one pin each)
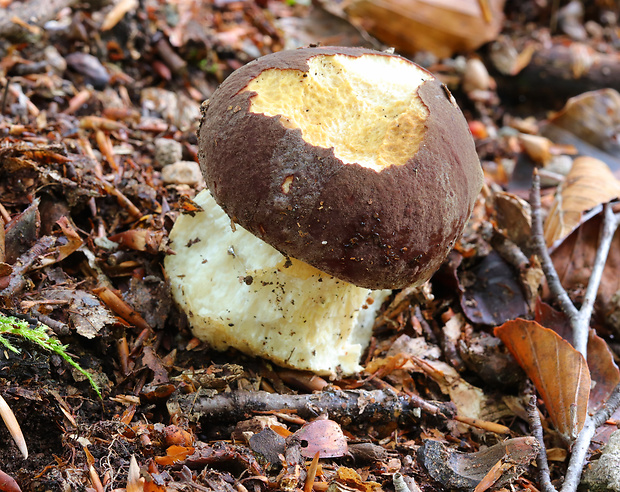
(238, 291)
(14, 429)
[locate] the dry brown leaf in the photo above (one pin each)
(603, 370)
(442, 27)
(558, 371)
(588, 184)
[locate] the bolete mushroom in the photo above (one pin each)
(353, 170)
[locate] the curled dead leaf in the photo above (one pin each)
(498, 465)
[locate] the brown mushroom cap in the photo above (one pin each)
(355, 161)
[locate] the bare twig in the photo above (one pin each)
(610, 224)
(555, 286)
(580, 324)
(582, 443)
(579, 319)
(541, 459)
(353, 405)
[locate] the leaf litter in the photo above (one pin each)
(86, 209)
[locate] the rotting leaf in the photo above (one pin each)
(493, 294)
(85, 312)
(454, 469)
(322, 436)
(153, 362)
(588, 184)
(558, 371)
(269, 444)
(348, 480)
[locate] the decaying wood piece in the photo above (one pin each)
(343, 406)
(562, 71)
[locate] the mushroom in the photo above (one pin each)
(341, 173)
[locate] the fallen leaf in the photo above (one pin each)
(593, 117)
(174, 454)
(440, 27)
(454, 469)
(558, 371)
(603, 370)
(491, 292)
(347, 479)
(134, 482)
(588, 184)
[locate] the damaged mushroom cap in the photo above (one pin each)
(355, 161)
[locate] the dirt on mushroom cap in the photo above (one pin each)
(384, 228)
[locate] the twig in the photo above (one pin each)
(580, 323)
(610, 224)
(357, 405)
(17, 279)
(555, 286)
(541, 459)
(579, 319)
(582, 443)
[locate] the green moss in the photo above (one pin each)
(38, 335)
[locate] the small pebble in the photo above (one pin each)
(167, 152)
(182, 172)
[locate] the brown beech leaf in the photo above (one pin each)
(440, 27)
(324, 437)
(558, 371)
(588, 184)
(603, 370)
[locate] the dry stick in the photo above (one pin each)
(555, 286)
(347, 405)
(580, 323)
(582, 444)
(541, 459)
(610, 224)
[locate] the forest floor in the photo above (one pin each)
(93, 94)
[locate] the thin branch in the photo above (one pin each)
(352, 405)
(541, 459)
(580, 323)
(555, 286)
(610, 224)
